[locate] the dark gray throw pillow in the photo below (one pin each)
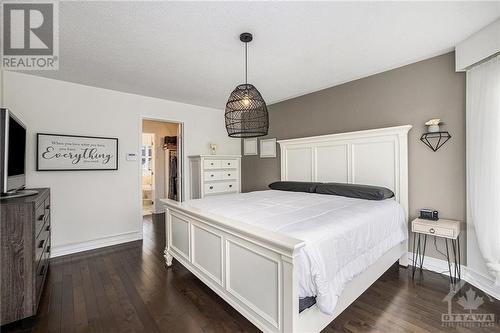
(308, 187)
(355, 191)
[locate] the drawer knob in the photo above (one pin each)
(48, 248)
(48, 228)
(229, 164)
(42, 270)
(40, 218)
(230, 185)
(41, 243)
(431, 230)
(211, 175)
(211, 187)
(47, 207)
(229, 174)
(211, 164)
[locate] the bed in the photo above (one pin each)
(257, 250)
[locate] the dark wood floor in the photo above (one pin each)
(127, 288)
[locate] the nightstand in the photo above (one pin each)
(449, 230)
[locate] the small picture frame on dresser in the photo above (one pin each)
(268, 148)
(250, 146)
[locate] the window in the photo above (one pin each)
(147, 158)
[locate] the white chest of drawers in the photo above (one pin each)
(214, 174)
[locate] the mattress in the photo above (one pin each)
(343, 236)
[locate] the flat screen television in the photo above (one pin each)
(13, 153)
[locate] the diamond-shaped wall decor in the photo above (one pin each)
(435, 140)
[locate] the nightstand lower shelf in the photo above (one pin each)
(452, 253)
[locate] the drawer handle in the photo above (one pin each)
(431, 230)
(211, 187)
(41, 243)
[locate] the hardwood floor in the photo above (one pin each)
(127, 288)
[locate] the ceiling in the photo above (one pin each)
(190, 51)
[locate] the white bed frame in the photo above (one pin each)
(254, 269)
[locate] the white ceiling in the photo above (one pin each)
(190, 51)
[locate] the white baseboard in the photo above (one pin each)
(482, 282)
(66, 249)
(476, 279)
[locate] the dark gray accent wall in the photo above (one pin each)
(411, 95)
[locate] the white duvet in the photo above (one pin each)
(343, 236)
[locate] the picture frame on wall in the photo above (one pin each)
(250, 146)
(61, 152)
(268, 148)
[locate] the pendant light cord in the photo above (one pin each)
(246, 68)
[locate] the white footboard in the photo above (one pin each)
(250, 268)
(253, 269)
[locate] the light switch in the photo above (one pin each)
(131, 157)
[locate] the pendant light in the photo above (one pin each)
(246, 111)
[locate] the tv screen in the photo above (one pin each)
(16, 148)
(12, 153)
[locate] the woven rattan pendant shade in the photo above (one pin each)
(246, 111)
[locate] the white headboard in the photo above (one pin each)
(372, 157)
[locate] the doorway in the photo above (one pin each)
(148, 172)
(161, 164)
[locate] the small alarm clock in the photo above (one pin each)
(429, 214)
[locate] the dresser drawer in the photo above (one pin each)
(40, 218)
(434, 230)
(41, 272)
(212, 175)
(41, 200)
(46, 205)
(222, 187)
(229, 174)
(211, 164)
(41, 242)
(229, 164)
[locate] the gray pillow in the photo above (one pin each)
(355, 191)
(308, 187)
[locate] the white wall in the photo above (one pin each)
(97, 208)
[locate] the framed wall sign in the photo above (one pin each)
(57, 152)
(250, 146)
(268, 148)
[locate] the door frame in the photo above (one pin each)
(153, 166)
(181, 156)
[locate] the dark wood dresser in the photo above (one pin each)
(25, 254)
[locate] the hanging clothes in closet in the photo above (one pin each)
(170, 143)
(172, 191)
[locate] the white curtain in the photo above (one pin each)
(483, 159)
